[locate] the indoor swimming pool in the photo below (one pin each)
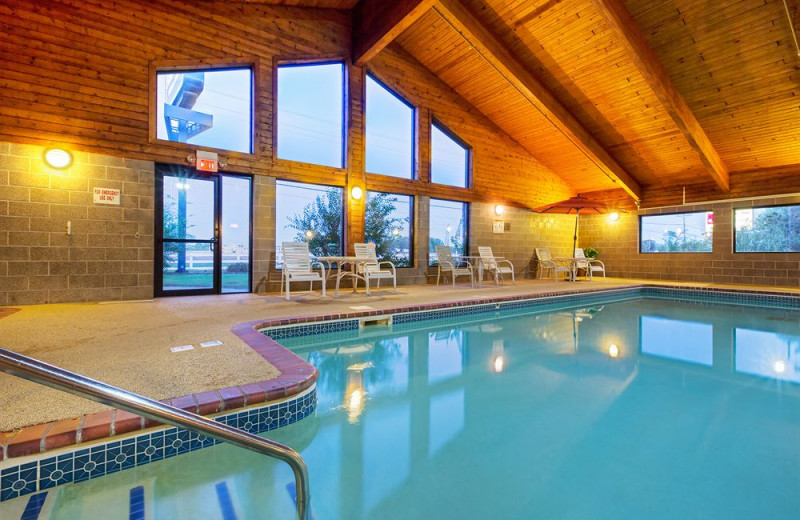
(614, 407)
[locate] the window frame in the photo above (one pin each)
(733, 227)
(411, 223)
(342, 217)
(467, 206)
(345, 104)
(414, 130)
(157, 67)
(641, 217)
(458, 140)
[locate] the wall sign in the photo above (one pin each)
(107, 196)
(206, 161)
(498, 226)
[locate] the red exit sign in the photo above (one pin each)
(206, 161)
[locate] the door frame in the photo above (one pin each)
(162, 170)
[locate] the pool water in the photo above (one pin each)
(638, 408)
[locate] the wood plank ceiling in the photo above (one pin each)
(731, 65)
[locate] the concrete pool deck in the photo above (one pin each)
(128, 344)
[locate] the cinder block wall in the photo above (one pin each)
(108, 256)
(528, 230)
(618, 244)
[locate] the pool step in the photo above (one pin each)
(136, 501)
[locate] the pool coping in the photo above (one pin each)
(296, 375)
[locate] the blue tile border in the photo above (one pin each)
(85, 463)
(544, 303)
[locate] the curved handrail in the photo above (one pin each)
(34, 370)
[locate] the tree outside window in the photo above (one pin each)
(387, 220)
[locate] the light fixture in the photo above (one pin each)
(613, 351)
(395, 232)
(780, 367)
(223, 162)
(356, 193)
(499, 209)
(613, 217)
(449, 228)
(309, 234)
(191, 158)
(57, 158)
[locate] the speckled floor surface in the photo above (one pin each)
(128, 344)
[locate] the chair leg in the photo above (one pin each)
(438, 273)
(366, 282)
(323, 286)
(453, 276)
(288, 296)
(513, 281)
(394, 281)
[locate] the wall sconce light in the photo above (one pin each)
(499, 210)
(191, 158)
(309, 234)
(356, 193)
(613, 351)
(57, 158)
(223, 162)
(613, 217)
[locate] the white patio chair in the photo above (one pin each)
(448, 265)
(297, 267)
(497, 267)
(589, 265)
(546, 263)
(369, 267)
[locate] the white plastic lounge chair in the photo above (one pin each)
(589, 265)
(448, 265)
(369, 267)
(546, 263)
(496, 267)
(297, 267)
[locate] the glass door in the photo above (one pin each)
(203, 233)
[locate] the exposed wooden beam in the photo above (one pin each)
(495, 52)
(648, 64)
(376, 23)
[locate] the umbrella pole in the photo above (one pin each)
(575, 235)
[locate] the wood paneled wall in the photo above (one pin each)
(79, 73)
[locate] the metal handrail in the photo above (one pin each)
(34, 370)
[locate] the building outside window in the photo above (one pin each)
(388, 223)
(448, 226)
(449, 158)
(211, 108)
(310, 106)
(389, 139)
(677, 233)
(309, 213)
(767, 230)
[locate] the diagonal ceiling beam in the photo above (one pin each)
(499, 57)
(376, 23)
(648, 64)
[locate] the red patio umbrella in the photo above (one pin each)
(576, 204)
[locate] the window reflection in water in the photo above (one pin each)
(682, 340)
(768, 354)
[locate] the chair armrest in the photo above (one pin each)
(443, 264)
(386, 262)
(321, 267)
(498, 262)
(597, 262)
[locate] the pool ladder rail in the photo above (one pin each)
(60, 379)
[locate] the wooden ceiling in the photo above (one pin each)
(640, 94)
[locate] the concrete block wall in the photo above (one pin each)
(618, 243)
(528, 230)
(108, 255)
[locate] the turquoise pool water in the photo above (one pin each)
(637, 408)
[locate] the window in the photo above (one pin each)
(449, 158)
(390, 132)
(767, 230)
(448, 226)
(310, 213)
(677, 233)
(311, 113)
(206, 107)
(387, 223)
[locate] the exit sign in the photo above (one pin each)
(206, 161)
